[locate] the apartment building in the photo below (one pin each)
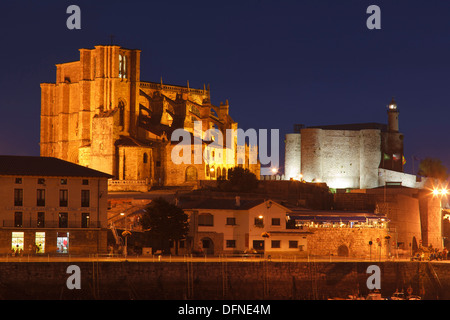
(51, 206)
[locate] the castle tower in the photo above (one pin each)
(392, 116)
(392, 145)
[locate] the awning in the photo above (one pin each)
(335, 219)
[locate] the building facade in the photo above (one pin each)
(100, 114)
(50, 206)
(353, 156)
(227, 226)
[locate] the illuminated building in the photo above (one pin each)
(51, 206)
(352, 156)
(100, 114)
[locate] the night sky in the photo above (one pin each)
(277, 62)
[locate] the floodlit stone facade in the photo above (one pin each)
(100, 114)
(354, 156)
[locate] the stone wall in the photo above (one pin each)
(351, 242)
(218, 280)
(292, 167)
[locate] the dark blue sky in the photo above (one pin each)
(277, 62)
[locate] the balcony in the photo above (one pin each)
(47, 224)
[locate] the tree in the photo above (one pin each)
(433, 168)
(164, 222)
(240, 179)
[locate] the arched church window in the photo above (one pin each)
(122, 66)
(121, 113)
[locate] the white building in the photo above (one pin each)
(228, 226)
(351, 156)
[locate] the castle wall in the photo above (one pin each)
(369, 157)
(407, 180)
(405, 219)
(431, 218)
(293, 152)
(355, 241)
(311, 164)
(340, 158)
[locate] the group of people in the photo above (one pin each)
(18, 251)
(437, 254)
(430, 253)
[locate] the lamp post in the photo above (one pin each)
(125, 234)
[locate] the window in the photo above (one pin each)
(145, 159)
(85, 182)
(18, 180)
(85, 198)
(62, 242)
(63, 181)
(231, 221)
(122, 66)
(63, 198)
(40, 220)
(85, 219)
(17, 241)
(231, 243)
(41, 181)
(40, 242)
(63, 219)
(258, 245)
(205, 219)
(40, 198)
(293, 244)
(276, 244)
(18, 197)
(18, 219)
(121, 113)
(259, 222)
(276, 221)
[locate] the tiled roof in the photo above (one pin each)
(45, 166)
(229, 204)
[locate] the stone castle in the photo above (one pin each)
(100, 114)
(352, 156)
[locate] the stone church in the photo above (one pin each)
(100, 114)
(349, 156)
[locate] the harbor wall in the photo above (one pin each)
(218, 280)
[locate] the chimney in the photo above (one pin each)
(238, 201)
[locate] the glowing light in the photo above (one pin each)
(274, 170)
(260, 217)
(441, 192)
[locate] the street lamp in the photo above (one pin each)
(125, 234)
